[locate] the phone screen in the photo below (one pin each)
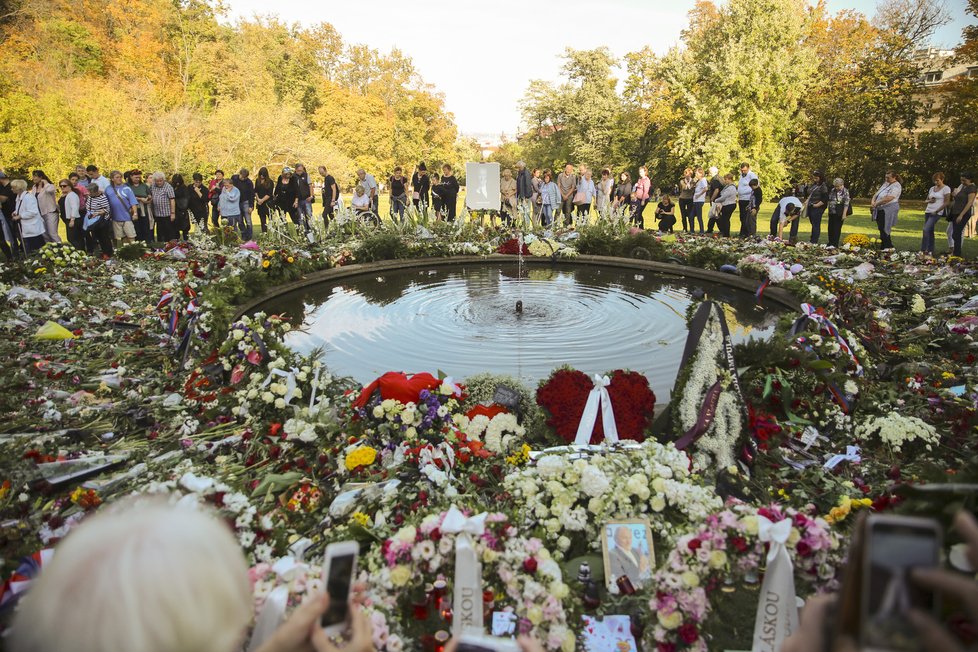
(338, 587)
(894, 551)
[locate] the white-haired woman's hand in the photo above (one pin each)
(361, 635)
(303, 633)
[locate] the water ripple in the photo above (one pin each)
(463, 321)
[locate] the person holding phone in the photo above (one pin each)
(828, 622)
(166, 579)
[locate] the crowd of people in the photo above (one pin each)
(100, 213)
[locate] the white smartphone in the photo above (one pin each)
(893, 547)
(481, 643)
(339, 569)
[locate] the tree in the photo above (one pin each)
(164, 85)
(576, 120)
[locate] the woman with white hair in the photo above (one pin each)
(28, 217)
(156, 578)
(840, 205)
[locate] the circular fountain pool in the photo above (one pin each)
(462, 319)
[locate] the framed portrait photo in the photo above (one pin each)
(629, 555)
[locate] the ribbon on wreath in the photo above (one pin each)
(598, 398)
(811, 313)
(777, 611)
(271, 616)
(467, 607)
(272, 613)
(851, 455)
(290, 383)
(22, 578)
(707, 412)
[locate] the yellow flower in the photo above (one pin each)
(400, 575)
(41, 270)
(750, 525)
(271, 252)
(670, 621)
(690, 579)
(265, 264)
(290, 259)
(718, 559)
(522, 456)
(360, 456)
(535, 615)
(362, 519)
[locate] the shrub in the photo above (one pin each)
(382, 246)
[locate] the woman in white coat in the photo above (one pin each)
(27, 217)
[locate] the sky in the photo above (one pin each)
(482, 56)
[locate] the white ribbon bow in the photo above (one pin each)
(467, 589)
(456, 523)
(312, 394)
(450, 381)
(270, 617)
(777, 612)
(430, 454)
(851, 455)
(290, 384)
(599, 396)
(774, 533)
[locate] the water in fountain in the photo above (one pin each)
(461, 319)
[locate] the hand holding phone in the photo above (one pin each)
(339, 569)
(895, 547)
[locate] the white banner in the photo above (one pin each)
(467, 607)
(777, 611)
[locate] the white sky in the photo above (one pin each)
(481, 55)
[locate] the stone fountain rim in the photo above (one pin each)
(774, 294)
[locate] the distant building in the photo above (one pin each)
(489, 143)
(938, 67)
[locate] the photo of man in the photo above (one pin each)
(627, 553)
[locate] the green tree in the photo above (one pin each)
(576, 120)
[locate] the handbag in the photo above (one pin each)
(580, 197)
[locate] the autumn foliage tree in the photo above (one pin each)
(171, 85)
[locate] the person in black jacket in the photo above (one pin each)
(331, 194)
(420, 185)
(818, 201)
(264, 197)
(524, 184)
(306, 199)
(448, 191)
(246, 188)
(8, 203)
(287, 196)
(199, 203)
(181, 196)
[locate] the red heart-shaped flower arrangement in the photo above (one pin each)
(398, 386)
(565, 394)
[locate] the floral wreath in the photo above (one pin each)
(725, 549)
(412, 572)
(565, 394)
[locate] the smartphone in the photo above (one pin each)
(893, 547)
(339, 569)
(480, 643)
